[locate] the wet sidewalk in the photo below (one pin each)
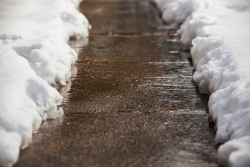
(131, 102)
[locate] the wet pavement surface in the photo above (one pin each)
(131, 100)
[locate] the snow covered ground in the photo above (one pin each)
(218, 33)
(34, 56)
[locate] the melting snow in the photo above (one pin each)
(34, 55)
(218, 33)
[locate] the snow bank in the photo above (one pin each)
(34, 56)
(218, 32)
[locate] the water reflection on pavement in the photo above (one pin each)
(131, 100)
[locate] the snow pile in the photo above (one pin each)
(219, 33)
(34, 56)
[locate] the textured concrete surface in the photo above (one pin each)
(131, 100)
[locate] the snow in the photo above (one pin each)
(34, 58)
(218, 33)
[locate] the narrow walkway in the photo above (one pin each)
(132, 102)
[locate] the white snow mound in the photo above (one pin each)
(218, 33)
(34, 56)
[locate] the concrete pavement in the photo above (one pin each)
(131, 100)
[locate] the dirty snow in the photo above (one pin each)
(34, 56)
(218, 33)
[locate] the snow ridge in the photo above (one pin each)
(218, 34)
(34, 56)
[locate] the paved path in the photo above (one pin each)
(131, 102)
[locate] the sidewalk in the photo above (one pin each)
(131, 102)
